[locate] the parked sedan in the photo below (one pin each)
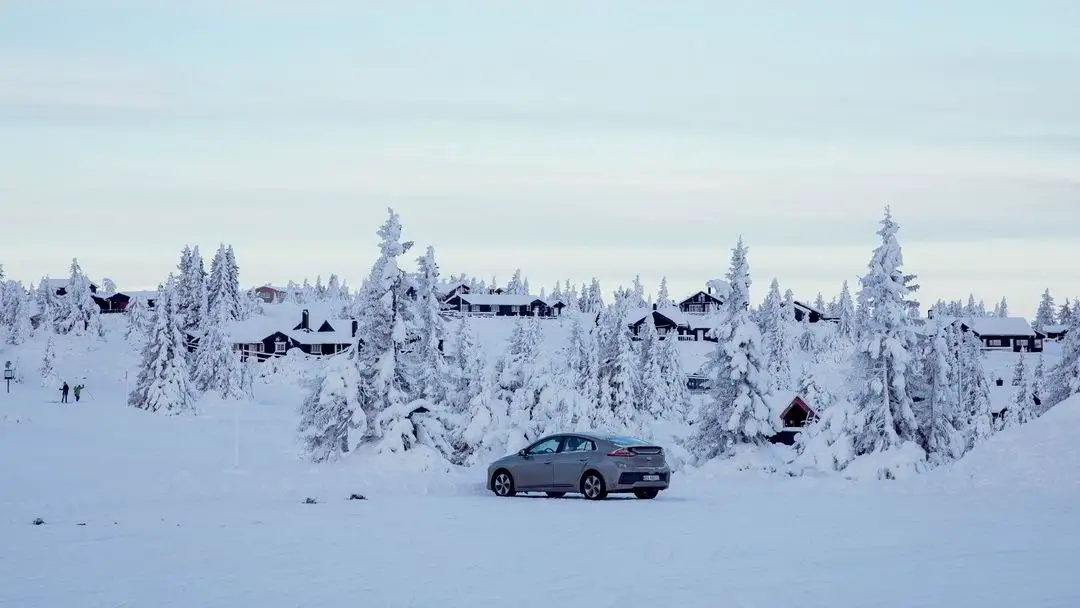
(589, 464)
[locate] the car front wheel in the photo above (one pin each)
(593, 487)
(503, 484)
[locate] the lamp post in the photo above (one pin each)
(9, 374)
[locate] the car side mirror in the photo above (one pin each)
(523, 453)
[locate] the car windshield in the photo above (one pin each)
(623, 442)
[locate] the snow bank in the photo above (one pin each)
(1041, 455)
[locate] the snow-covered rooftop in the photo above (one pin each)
(489, 299)
(1000, 326)
(342, 333)
(1056, 328)
(142, 294)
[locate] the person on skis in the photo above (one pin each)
(64, 392)
(78, 389)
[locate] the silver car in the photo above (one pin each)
(590, 464)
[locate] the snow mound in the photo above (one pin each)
(1041, 455)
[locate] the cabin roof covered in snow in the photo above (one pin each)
(488, 299)
(141, 294)
(1056, 328)
(677, 316)
(1000, 326)
(342, 333)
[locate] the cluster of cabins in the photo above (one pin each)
(112, 303)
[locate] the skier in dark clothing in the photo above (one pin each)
(78, 389)
(64, 392)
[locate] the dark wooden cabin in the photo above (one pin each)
(701, 303)
(794, 418)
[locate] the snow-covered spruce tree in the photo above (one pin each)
(223, 287)
(883, 363)
(819, 302)
(816, 396)
(428, 364)
(651, 392)
(807, 340)
(776, 344)
(939, 412)
(1063, 380)
(594, 301)
(637, 293)
(1038, 380)
(472, 410)
(1019, 411)
(677, 395)
(217, 365)
(139, 317)
(327, 413)
(163, 384)
(1046, 314)
(738, 414)
(618, 370)
(79, 315)
(192, 298)
(48, 364)
(1065, 312)
(516, 379)
(21, 328)
(583, 368)
(846, 313)
(1002, 309)
(974, 388)
(663, 297)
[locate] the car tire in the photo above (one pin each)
(593, 486)
(555, 494)
(502, 484)
(646, 494)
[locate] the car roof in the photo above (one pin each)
(602, 437)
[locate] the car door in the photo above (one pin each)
(536, 469)
(570, 462)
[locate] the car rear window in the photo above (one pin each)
(624, 442)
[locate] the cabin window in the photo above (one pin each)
(259, 347)
(279, 347)
(994, 342)
(338, 348)
(316, 349)
(1038, 343)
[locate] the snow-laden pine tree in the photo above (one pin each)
(594, 301)
(1019, 411)
(1063, 379)
(651, 393)
(21, 328)
(47, 370)
(515, 287)
(223, 286)
(45, 300)
(819, 303)
(883, 363)
(1065, 312)
(139, 317)
(637, 293)
(776, 342)
(973, 388)
(663, 297)
(79, 315)
(845, 312)
(517, 375)
(677, 396)
(812, 392)
(1002, 309)
(583, 369)
(428, 364)
(192, 298)
(1046, 314)
(618, 369)
(217, 365)
(163, 384)
(738, 414)
(469, 399)
(328, 411)
(940, 410)
(1038, 380)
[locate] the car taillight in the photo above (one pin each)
(620, 452)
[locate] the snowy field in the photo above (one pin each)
(146, 510)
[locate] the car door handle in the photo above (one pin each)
(583, 460)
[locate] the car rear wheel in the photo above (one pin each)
(556, 494)
(502, 483)
(593, 487)
(646, 494)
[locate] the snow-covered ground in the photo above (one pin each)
(149, 510)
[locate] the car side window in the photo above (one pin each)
(578, 444)
(548, 446)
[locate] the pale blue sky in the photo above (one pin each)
(570, 138)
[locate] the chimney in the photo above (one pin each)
(305, 321)
(929, 313)
(355, 324)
